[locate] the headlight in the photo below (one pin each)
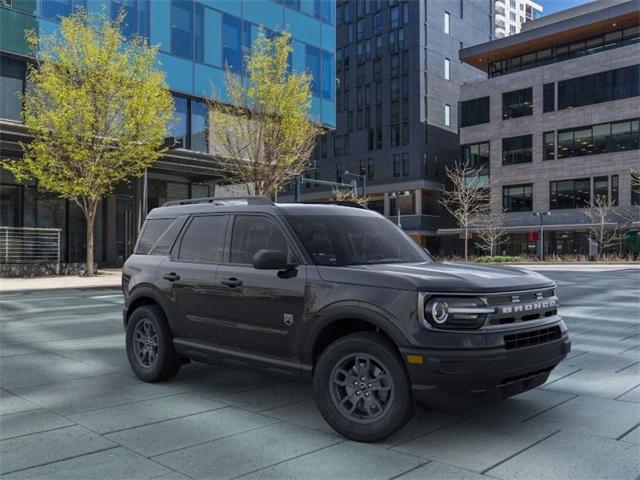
(455, 312)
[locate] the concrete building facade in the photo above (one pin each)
(558, 122)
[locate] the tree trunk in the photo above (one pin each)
(90, 217)
(466, 243)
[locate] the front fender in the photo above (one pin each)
(148, 291)
(349, 309)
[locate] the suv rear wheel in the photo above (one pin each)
(362, 388)
(150, 345)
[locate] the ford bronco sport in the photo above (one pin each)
(337, 296)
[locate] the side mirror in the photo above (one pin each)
(271, 260)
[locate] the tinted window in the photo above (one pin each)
(549, 97)
(570, 193)
(599, 87)
(517, 103)
(182, 28)
(12, 74)
(151, 233)
(163, 245)
(517, 198)
(474, 112)
(516, 150)
(341, 240)
(204, 239)
(252, 233)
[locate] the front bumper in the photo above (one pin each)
(448, 377)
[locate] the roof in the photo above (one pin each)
(560, 28)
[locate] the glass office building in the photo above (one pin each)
(197, 40)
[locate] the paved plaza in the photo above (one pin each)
(70, 407)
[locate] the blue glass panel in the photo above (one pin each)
(182, 28)
(213, 37)
(267, 14)
(143, 18)
(209, 81)
(130, 9)
(54, 9)
(307, 6)
(228, 6)
(329, 113)
(316, 108)
(179, 73)
(199, 126)
(231, 42)
(328, 75)
(298, 57)
(97, 6)
(303, 27)
(328, 37)
(179, 123)
(160, 23)
(312, 63)
(199, 33)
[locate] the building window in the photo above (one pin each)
(199, 126)
(12, 78)
(615, 190)
(516, 150)
(447, 23)
(635, 188)
(477, 155)
(603, 138)
(566, 194)
(601, 188)
(474, 112)
(395, 135)
(370, 168)
(405, 164)
(599, 87)
(396, 166)
(517, 198)
(56, 9)
(136, 20)
(231, 42)
(447, 69)
(549, 97)
(328, 75)
(517, 103)
(182, 28)
(549, 145)
(179, 125)
(447, 115)
(339, 172)
(377, 24)
(337, 145)
(312, 61)
(394, 16)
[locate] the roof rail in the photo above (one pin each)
(340, 203)
(222, 201)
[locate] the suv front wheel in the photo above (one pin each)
(362, 388)
(150, 345)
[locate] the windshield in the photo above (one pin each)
(342, 240)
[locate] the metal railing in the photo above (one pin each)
(30, 245)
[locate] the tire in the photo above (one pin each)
(384, 403)
(153, 357)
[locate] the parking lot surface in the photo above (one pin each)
(70, 407)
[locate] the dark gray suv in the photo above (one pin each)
(337, 296)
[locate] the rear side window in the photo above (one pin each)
(151, 232)
(253, 233)
(204, 239)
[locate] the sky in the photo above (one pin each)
(552, 6)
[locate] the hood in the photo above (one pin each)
(438, 277)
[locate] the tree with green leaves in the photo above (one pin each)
(97, 107)
(261, 131)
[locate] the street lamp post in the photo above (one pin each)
(361, 177)
(541, 215)
(396, 195)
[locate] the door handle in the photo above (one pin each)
(232, 282)
(172, 277)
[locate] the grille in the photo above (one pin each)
(522, 298)
(534, 337)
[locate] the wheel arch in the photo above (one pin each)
(145, 295)
(342, 320)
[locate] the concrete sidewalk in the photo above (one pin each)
(104, 278)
